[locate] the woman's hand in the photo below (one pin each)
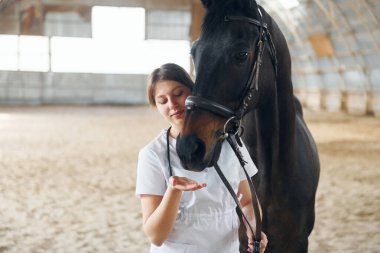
(263, 243)
(184, 184)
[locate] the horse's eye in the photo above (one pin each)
(241, 56)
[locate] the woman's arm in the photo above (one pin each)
(160, 212)
(247, 208)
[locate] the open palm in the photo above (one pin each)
(185, 184)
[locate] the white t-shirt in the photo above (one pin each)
(207, 220)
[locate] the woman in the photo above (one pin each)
(185, 211)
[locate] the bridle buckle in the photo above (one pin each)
(235, 125)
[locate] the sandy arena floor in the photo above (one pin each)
(68, 177)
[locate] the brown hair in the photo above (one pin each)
(168, 72)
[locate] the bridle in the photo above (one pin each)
(234, 117)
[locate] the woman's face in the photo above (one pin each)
(170, 99)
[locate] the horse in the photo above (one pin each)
(243, 75)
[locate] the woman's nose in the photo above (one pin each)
(173, 103)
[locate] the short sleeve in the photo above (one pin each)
(150, 178)
(250, 165)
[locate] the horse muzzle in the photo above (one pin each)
(192, 153)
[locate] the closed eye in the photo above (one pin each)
(178, 94)
(161, 100)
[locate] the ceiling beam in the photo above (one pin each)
(147, 4)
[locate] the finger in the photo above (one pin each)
(202, 185)
(263, 246)
(187, 181)
(199, 186)
(264, 237)
(250, 247)
(262, 249)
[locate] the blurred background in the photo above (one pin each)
(97, 52)
(74, 114)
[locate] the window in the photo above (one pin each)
(168, 25)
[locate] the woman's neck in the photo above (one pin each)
(174, 132)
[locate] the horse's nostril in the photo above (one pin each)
(190, 150)
(197, 148)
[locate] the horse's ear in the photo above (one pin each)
(207, 3)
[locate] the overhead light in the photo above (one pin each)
(289, 4)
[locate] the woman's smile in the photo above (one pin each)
(178, 114)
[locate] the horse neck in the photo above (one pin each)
(284, 114)
(270, 140)
(274, 120)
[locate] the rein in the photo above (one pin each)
(234, 141)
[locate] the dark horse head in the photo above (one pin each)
(229, 61)
(243, 77)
